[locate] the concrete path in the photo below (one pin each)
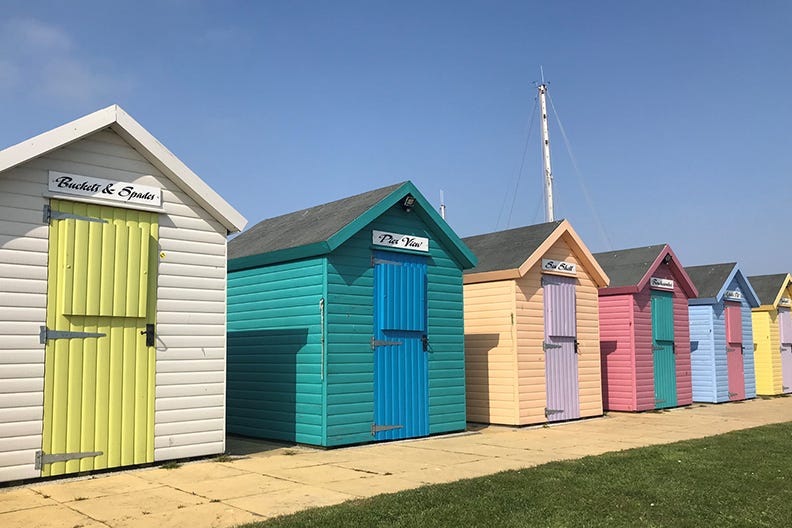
(262, 480)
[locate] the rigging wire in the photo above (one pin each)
(582, 182)
(519, 172)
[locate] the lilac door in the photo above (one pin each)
(734, 351)
(561, 360)
(785, 331)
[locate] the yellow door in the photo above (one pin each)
(99, 368)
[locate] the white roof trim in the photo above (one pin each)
(142, 141)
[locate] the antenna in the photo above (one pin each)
(442, 206)
(548, 171)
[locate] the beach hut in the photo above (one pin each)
(532, 326)
(644, 331)
(345, 322)
(112, 302)
(772, 330)
(721, 336)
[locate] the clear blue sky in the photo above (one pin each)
(678, 113)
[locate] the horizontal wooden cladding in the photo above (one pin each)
(617, 352)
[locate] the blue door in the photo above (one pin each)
(401, 367)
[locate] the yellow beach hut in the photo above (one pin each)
(772, 331)
(532, 326)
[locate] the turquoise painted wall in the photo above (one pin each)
(350, 325)
(274, 351)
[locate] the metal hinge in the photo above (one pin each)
(49, 214)
(548, 412)
(45, 334)
(660, 401)
(655, 347)
(375, 261)
(548, 346)
(379, 428)
(378, 343)
(732, 394)
(43, 458)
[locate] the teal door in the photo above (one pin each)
(663, 349)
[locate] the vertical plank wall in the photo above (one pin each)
(490, 353)
(350, 367)
(767, 356)
(190, 392)
(530, 336)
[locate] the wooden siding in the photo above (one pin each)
(702, 354)
(720, 365)
(767, 355)
(617, 352)
(490, 354)
(531, 335)
(350, 366)
(191, 305)
(275, 387)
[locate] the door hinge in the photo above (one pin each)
(548, 346)
(375, 261)
(45, 334)
(378, 343)
(379, 428)
(44, 458)
(732, 394)
(655, 347)
(660, 401)
(548, 412)
(49, 214)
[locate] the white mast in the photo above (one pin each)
(442, 206)
(548, 171)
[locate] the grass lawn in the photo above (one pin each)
(743, 478)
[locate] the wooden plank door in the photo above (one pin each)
(734, 351)
(98, 368)
(785, 334)
(560, 346)
(401, 364)
(663, 349)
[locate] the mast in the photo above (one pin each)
(548, 171)
(442, 206)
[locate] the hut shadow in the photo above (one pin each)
(477, 375)
(263, 370)
(606, 347)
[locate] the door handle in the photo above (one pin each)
(149, 333)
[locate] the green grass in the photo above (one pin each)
(740, 479)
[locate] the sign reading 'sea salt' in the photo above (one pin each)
(733, 295)
(382, 238)
(105, 189)
(661, 284)
(559, 266)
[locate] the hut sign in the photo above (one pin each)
(106, 189)
(661, 284)
(559, 266)
(733, 295)
(785, 301)
(382, 238)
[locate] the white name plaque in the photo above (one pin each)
(733, 295)
(559, 266)
(382, 238)
(661, 284)
(118, 191)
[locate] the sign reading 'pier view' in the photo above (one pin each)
(396, 240)
(105, 189)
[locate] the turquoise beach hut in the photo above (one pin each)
(345, 323)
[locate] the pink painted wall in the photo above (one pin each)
(616, 349)
(626, 348)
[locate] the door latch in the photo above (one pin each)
(425, 343)
(149, 333)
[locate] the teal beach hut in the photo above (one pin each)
(345, 323)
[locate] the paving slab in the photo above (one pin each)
(237, 486)
(90, 488)
(287, 501)
(118, 509)
(57, 516)
(23, 499)
(209, 515)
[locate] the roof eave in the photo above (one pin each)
(274, 257)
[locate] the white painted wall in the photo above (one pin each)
(190, 385)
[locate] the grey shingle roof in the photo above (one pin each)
(710, 278)
(504, 250)
(767, 286)
(626, 267)
(309, 226)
